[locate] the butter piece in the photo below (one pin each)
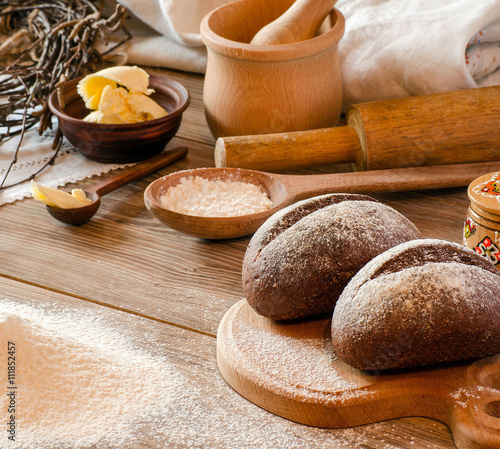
(133, 78)
(58, 198)
(90, 89)
(145, 106)
(119, 95)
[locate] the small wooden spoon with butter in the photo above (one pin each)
(284, 190)
(80, 215)
(298, 23)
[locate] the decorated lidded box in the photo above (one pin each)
(482, 223)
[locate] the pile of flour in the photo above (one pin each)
(79, 383)
(215, 198)
(84, 383)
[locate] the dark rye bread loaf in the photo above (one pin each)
(421, 303)
(299, 261)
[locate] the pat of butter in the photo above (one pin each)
(119, 95)
(58, 198)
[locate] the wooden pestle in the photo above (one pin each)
(298, 23)
(447, 128)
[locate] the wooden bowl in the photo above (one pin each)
(261, 89)
(122, 143)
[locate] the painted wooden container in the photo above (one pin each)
(482, 223)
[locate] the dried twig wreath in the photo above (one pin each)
(46, 43)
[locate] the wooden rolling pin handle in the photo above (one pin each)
(447, 128)
(326, 146)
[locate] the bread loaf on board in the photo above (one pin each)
(421, 303)
(299, 261)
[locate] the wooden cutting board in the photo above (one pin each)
(291, 370)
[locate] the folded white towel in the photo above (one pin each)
(390, 48)
(174, 39)
(394, 49)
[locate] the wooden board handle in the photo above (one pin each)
(477, 425)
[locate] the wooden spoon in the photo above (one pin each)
(298, 23)
(79, 215)
(284, 190)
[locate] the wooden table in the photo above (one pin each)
(125, 264)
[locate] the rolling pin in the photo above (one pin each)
(447, 128)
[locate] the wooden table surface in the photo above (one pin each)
(128, 266)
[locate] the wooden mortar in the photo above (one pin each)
(261, 89)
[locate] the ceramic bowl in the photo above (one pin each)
(122, 143)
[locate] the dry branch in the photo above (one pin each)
(45, 43)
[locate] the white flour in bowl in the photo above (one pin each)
(207, 198)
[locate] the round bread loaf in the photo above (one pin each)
(421, 303)
(299, 261)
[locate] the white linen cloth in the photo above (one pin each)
(397, 48)
(70, 166)
(391, 48)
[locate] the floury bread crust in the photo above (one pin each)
(299, 261)
(421, 303)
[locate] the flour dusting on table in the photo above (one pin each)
(84, 383)
(78, 383)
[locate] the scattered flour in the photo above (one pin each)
(299, 367)
(89, 382)
(202, 197)
(463, 397)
